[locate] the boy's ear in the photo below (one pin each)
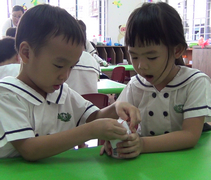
(178, 51)
(18, 58)
(24, 52)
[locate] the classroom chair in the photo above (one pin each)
(99, 100)
(118, 74)
(127, 73)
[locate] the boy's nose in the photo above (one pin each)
(64, 76)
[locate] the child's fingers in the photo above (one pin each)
(121, 137)
(119, 129)
(135, 118)
(106, 148)
(129, 155)
(102, 150)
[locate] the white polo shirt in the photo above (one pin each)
(187, 95)
(7, 24)
(9, 70)
(84, 76)
(24, 113)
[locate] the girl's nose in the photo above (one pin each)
(143, 66)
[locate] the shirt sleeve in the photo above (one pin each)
(127, 95)
(81, 104)
(14, 122)
(89, 48)
(198, 99)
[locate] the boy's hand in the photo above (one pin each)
(128, 113)
(108, 129)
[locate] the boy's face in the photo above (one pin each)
(51, 67)
(16, 15)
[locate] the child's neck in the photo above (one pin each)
(171, 76)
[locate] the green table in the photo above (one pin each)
(191, 164)
(107, 86)
(128, 67)
(108, 70)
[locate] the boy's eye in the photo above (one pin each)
(153, 58)
(58, 66)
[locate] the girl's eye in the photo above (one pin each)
(134, 58)
(152, 58)
(58, 66)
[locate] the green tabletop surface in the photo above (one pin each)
(190, 164)
(107, 86)
(128, 67)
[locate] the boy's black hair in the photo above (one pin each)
(11, 31)
(155, 23)
(82, 25)
(17, 8)
(43, 22)
(7, 48)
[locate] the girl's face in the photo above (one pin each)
(154, 64)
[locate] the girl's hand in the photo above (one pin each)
(130, 148)
(108, 129)
(106, 148)
(128, 113)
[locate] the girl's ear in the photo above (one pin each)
(178, 51)
(24, 52)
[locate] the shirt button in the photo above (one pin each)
(154, 95)
(166, 95)
(151, 113)
(165, 113)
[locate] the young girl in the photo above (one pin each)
(174, 100)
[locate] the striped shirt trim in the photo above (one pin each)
(197, 108)
(15, 131)
(60, 94)
(142, 83)
(184, 80)
(88, 67)
(169, 86)
(83, 114)
(22, 90)
(94, 50)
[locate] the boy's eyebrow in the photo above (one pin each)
(61, 59)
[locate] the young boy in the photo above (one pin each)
(40, 115)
